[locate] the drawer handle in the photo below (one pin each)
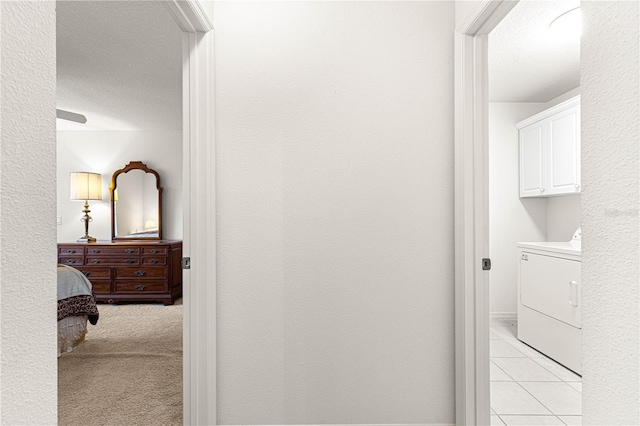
(140, 287)
(95, 261)
(140, 273)
(128, 261)
(153, 261)
(154, 251)
(128, 251)
(71, 251)
(70, 261)
(86, 273)
(95, 251)
(111, 301)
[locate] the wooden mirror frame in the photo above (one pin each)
(134, 165)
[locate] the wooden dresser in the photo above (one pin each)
(132, 271)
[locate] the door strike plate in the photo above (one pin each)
(186, 263)
(486, 264)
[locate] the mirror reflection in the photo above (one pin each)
(136, 203)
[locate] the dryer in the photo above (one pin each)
(549, 299)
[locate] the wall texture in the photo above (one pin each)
(105, 152)
(335, 182)
(28, 385)
(610, 218)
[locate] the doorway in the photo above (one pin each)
(477, 112)
(198, 174)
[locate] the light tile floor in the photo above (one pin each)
(527, 388)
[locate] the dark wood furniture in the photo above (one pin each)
(135, 271)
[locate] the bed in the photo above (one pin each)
(76, 306)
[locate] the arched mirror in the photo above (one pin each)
(136, 203)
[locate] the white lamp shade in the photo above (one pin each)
(85, 186)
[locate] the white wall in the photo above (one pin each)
(511, 219)
(105, 152)
(610, 219)
(335, 193)
(28, 385)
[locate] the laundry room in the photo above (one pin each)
(535, 214)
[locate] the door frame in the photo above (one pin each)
(195, 19)
(472, 210)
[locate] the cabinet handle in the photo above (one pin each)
(95, 261)
(140, 287)
(573, 293)
(153, 261)
(111, 301)
(577, 186)
(71, 251)
(86, 273)
(541, 189)
(140, 273)
(128, 261)
(128, 251)
(95, 251)
(154, 251)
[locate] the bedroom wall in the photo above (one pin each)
(334, 132)
(28, 385)
(610, 79)
(105, 152)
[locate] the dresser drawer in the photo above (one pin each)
(92, 272)
(141, 286)
(154, 260)
(113, 261)
(154, 250)
(141, 272)
(70, 260)
(113, 251)
(70, 250)
(101, 286)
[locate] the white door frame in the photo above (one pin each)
(472, 210)
(199, 199)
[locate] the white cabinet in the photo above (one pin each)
(550, 151)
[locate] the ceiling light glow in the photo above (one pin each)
(568, 25)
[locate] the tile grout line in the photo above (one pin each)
(560, 380)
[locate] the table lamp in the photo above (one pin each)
(86, 186)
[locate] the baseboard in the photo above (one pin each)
(504, 316)
(366, 424)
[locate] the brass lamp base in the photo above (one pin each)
(86, 239)
(86, 219)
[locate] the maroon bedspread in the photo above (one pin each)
(79, 305)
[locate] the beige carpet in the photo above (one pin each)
(127, 372)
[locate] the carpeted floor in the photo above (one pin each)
(127, 372)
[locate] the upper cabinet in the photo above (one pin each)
(550, 151)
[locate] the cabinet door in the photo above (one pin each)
(564, 152)
(532, 152)
(551, 285)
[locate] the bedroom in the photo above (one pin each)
(119, 64)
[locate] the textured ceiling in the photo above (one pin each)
(119, 64)
(527, 64)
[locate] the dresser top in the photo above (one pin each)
(121, 243)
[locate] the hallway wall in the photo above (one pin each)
(335, 212)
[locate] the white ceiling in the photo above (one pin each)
(527, 64)
(119, 64)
